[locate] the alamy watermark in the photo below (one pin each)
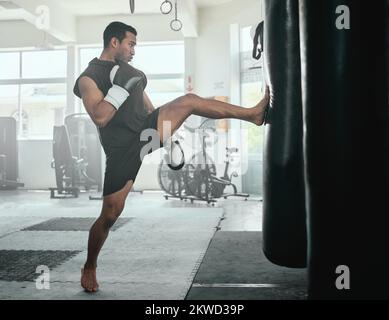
(342, 282)
(343, 19)
(43, 280)
(42, 21)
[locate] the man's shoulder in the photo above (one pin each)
(94, 75)
(83, 82)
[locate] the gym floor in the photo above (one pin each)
(158, 249)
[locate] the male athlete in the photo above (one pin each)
(113, 94)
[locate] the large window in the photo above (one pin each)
(163, 63)
(10, 65)
(44, 105)
(33, 90)
(44, 64)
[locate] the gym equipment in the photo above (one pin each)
(132, 5)
(197, 179)
(175, 24)
(125, 79)
(166, 7)
(85, 144)
(284, 225)
(68, 168)
(201, 179)
(170, 178)
(171, 181)
(257, 54)
(175, 156)
(344, 86)
(200, 176)
(346, 146)
(8, 155)
(258, 41)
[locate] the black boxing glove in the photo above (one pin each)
(124, 79)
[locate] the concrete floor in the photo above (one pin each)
(155, 255)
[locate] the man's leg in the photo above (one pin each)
(181, 108)
(113, 206)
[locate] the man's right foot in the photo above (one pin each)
(88, 280)
(259, 111)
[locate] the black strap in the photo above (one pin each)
(258, 37)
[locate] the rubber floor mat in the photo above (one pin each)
(21, 265)
(72, 224)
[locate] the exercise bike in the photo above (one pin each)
(172, 180)
(200, 176)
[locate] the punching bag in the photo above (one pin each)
(284, 218)
(344, 55)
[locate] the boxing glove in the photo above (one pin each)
(124, 79)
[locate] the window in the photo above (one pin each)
(44, 105)
(86, 55)
(9, 65)
(164, 66)
(160, 58)
(35, 64)
(33, 93)
(162, 90)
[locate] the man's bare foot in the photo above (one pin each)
(88, 280)
(260, 109)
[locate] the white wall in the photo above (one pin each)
(155, 27)
(213, 44)
(35, 164)
(210, 69)
(17, 34)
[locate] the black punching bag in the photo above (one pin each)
(344, 46)
(284, 218)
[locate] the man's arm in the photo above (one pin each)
(99, 110)
(148, 104)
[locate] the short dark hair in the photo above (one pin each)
(118, 30)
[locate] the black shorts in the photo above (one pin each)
(123, 163)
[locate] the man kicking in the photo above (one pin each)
(113, 94)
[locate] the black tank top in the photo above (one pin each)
(130, 116)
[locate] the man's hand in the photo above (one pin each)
(124, 79)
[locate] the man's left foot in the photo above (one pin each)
(88, 280)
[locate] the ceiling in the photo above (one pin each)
(63, 13)
(103, 7)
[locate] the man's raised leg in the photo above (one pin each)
(181, 108)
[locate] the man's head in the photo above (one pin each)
(120, 38)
